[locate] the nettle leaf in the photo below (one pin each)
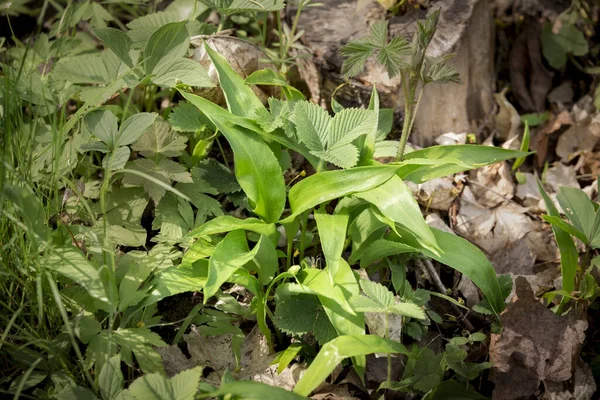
(236, 6)
(188, 118)
(299, 313)
(331, 138)
(169, 42)
(182, 386)
(170, 72)
(217, 175)
(165, 170)
(393, 54)
(117, 41)
(160, 139)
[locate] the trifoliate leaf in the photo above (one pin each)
(160, 139)
(423, 369)
(165, 171)
(186, 117)
(117, 41)
(139, 341)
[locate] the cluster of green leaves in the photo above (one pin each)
(584, 218)
(105, 270)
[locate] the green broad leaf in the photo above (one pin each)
(229, 7)
(451, 160)
(256, 167)
(76, 393)
(579, 209)
(252, 390)
(174, 280)
(103, 124)
(188, 118)
(383, 248)
(266, 260)
(396, 202)
(364, 230)
(116, 159)
(452, 390)
(332, 234)
(28, 380)
(565, 226)
(240, 98)
(182, 386)
(171, 72)
(329, 185)
(86, 328)
(230, 254)
(270, 77)
(135, 271)
(335, 351)
(378, 293)
(133, 128)
(143, 27)
(464, 257)
(164, 171)
(524, 147)
(117, 41)
(556, 47)
(111, 378)
(158, 138)
(285, 357)
(228, 223)
(72, 263)
(169, 42)
(569, 256)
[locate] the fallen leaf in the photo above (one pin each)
(174, 361)
(580, 387)
(437, 194)
(333, 392)
(451, 138)
(492, 184)
(507, 120)
(491, 229)
(528, 192)
(535, 346)
(560, 175)
(539, 141)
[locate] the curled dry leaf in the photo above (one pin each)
(216, 352)
(491, 229)
(437, 194)
(451, 138)
(539, 142)
(535, 346)
(507, 120)
(560, 175)
(492, 184)
(580, 387)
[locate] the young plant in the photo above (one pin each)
(577, 282)
(399, 57)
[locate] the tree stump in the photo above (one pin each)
(465, 27)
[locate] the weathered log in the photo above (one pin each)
(465, 27)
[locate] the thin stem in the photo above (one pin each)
(304, 220)
(389, 356)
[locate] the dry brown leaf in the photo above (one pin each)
(528, 192)
(507, 120)
(580, 387)
(539, 141)
(560, 175)
(333, 392)
(491, 229)
(437, 194)
(451, 138)
(492, 184)
(535, 346)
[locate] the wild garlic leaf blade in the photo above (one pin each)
(117, 41)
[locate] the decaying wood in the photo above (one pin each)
(465, 28)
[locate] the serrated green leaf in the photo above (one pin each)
(216, 175)
(295, 314)
(312, 125)
(174, 217)
(182, 386)
(175, 280)
(188, 118)
(378, 293)
(160, 139)
(164, 171)
(82, 69)
(236, 6)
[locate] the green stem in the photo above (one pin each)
(304, 220)
(389, 356)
